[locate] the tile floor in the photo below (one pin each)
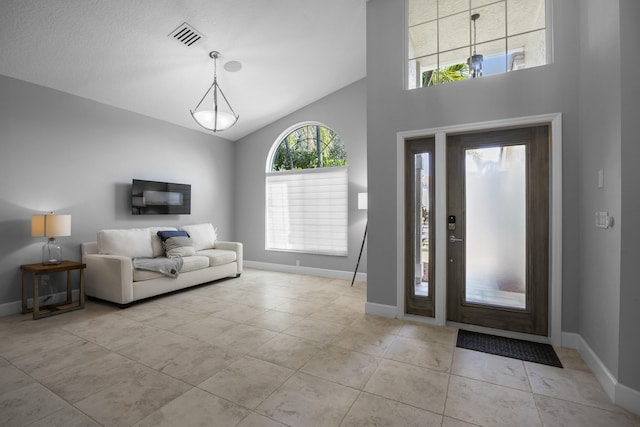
(274, 349)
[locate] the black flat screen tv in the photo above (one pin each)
(160, 198)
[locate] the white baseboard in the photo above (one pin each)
(628, 398)
(381, 309)
(310, 271)
(619, 394)
(15, 307)
(570, 340)
(9, 308)
(602, 373)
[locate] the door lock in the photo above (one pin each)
(453, 239)
(451, 222)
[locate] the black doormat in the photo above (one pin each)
(509, 347)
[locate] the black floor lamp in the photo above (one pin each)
(362, 205)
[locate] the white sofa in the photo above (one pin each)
(110, 274)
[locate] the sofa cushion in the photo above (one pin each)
(189, 263)
(133, 242)
(192, 263)
(142, 275)
(218, 256)
(203, 236)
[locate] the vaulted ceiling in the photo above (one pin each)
(121, 53)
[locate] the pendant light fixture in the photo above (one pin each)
(475, 61)
(214, 116)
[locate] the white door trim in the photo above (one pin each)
(440, 134)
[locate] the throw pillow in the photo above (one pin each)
(156, 243)
(165, 234)
(176, 243)
(178, 247)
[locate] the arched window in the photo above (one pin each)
(307, 192)
(309, 146)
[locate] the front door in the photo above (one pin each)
(498, 229)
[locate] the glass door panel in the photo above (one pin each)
(495, 189)
(422, 206)
(419, 241)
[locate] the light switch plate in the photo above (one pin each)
(601, 178)
(603, 220)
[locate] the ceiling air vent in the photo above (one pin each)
(187, 35)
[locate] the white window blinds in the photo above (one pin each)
(307, 211)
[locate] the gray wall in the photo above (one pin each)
(62, 153)
(629, 369)
(599, 109)
(345, 113)
(609, 111)
(593, 83)
(390, 109)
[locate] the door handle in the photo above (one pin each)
(453, 239)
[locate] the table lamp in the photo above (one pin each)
(51, 226)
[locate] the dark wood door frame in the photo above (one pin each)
(554, 121)
(534, 318)
(416, 304)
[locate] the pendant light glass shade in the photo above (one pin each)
(210, 113)
(475, 65)
(208, 120)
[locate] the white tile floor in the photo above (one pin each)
(274, 349)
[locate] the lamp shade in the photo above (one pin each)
(50, 225)
(363, 201)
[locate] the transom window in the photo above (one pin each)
(306, 192)
(451, 40)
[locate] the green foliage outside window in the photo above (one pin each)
(309, 147)
(448, 74)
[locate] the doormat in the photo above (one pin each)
(509, 347)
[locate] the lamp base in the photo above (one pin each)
(51, 252)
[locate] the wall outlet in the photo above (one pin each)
(297, 263)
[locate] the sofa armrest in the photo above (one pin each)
(232, 246)
(109, 277)
(87, 248)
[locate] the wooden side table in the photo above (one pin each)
(56, 308)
